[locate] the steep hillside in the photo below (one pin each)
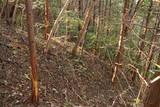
(64, 80)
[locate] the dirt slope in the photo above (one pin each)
(65, 81)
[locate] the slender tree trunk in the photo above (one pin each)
(93, 19)
(151, 52)
(110, 7)
(46, 18)
(4, 6)
(107, 17)
(80, 10)
(97, 36)
(84, 28)
(98, 27)
(142, 38)
(68, 36)
(35, 94)
(102, 16)
(15, 11)
(127, 21)
(152, 46)
(7, 11)
(123, 34)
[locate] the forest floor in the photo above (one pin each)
(64, 80)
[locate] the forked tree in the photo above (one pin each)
(32, 47)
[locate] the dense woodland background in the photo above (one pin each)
(80, 53)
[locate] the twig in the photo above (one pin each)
(78, 95)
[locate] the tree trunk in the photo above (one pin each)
(123, 34)
(35, 94)
(3, 7)
(142, 38)
(98, 28)
(68, 36)
(153, 95)
(152, 46)
(146, 66)
(46, 18)
(84, 28)
(15, 11)
(80, 10)
(127, 21)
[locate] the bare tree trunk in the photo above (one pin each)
(84, 28)
(102, 16)
(150, 53)
(127, 21)
(110, 7)
(93, 19)
(4, 6)
(97, 35)
(35, 94)
(142, 38)
(80, 10)
(152, 46)
(15, 11)
(123, 33)
(46, 18)
(98, 27)
(68, 36)
(107, 16)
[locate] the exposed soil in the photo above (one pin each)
(64, 80)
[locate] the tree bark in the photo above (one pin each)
(35, 94)
(153, 95)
